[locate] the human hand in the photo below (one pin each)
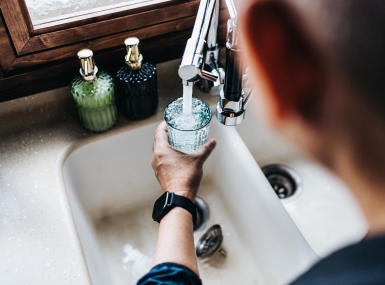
(176, 171)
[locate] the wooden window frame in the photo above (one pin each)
(33, 61)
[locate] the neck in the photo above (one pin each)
(359, 156)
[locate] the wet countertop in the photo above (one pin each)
(38, 238)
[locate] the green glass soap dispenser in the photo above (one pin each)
(93, 92)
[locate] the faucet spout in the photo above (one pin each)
(191, 67)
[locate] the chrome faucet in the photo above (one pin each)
(200, 62)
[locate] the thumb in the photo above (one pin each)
(204, 152)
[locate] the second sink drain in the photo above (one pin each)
(286, 182)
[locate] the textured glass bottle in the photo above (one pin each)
(93, 93)
(137, 87)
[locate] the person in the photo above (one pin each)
(319, 68)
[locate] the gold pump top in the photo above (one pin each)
(88, 69)
(133, 58)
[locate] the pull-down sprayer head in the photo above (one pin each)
(232, 102)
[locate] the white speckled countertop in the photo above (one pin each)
(38, 238)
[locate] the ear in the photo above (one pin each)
(284, 59)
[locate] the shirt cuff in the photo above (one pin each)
(170, 274)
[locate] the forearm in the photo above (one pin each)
(175, 241)
(181, 174)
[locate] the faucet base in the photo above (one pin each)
(228, 117)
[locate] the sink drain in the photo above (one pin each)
(285, 181)
(203, 214)
(210, 242)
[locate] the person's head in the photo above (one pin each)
(320, 70)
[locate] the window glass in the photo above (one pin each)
(45, 13)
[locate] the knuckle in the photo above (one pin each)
(158, 156)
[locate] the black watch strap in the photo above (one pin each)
(170, 200)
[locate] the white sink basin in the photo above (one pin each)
(111, 190)
(325, 211)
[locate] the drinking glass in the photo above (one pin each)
(187, 133)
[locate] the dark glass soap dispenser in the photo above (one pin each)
(137, 87)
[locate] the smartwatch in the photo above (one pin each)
(170, 200)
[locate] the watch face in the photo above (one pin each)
(159, 206)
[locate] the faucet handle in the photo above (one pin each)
(208, 75)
